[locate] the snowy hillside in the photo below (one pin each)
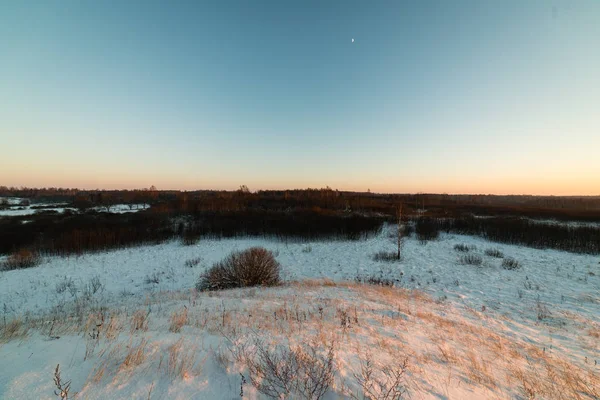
(128, 323)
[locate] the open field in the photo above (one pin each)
(465, 331)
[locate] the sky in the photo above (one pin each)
(477, 96)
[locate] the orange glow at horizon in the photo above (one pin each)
(583, 186)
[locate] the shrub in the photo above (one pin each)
(21, 259)
(386, 382)
(190, 238)
(494, 253)
(307, 249)
(510, 264)
(461, 247)
(386, 256)
(193, 262)
(471, 259)
(296, 372)
(153, 278)
(407, 230)
(375, 280)
(251, 267)
(426, 229)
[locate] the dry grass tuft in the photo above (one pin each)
(113, 327)
(21, 259)
(182, 359)
(12, 330)
(494, 253)
(136, 354)
(139, 321)
(178, 320)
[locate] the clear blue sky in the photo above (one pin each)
(437, 96)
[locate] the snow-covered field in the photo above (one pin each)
(16, 209)
(466, 331)
(123, 208)
(27, 210)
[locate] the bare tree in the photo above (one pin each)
(244, 189)
(107, 201)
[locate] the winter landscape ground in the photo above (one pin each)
(450, 320)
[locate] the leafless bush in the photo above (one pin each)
(427, 229)
(386, 256)
(407, 230)
(542, 311)
(471, 259)
(510, 264)
(307, 249)
(494, 253)
(387, 383)
(193, 262)
(94, 286)
(283, 371)
(190, 238)
(153, 278)
(21, 259)
(461, 247)
(252, 267)
(66, 283)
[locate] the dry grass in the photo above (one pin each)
(13, 329)
(136, 354)
(471, 259)
(447, 353)
(21, 259)
(178, 320)
(99, 372)
(181, 361)
(385, 256)
(441, 342)
(113, 327)
(139, 321)
(479, 370)
(494, 253)
(510, 264)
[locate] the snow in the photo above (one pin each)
(27, 210)
(13, 201)
(122, 208)
(16, 209)
(563, 289)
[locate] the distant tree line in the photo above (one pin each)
(583, 208)
(307, 214)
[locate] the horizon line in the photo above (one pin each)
(130, 189)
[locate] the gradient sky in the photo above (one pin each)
(433, 96)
